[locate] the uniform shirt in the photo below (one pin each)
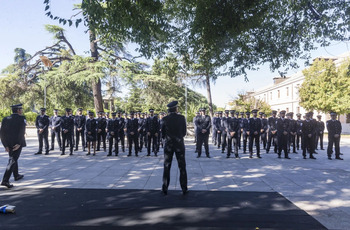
(131, 125)
(224, 124)
(254, 125)
(91, 126)
(55, 121)
(79, 121)
(282, 124)
(299, 126)
(113, 126)
(264, 124)
(308, 128)
(121, 124)
(42, 122)
(293, 126)
(320, 126)
(203, 122)
(12, 130)
(102, 123)
(67, 123)
(152, 125)
(271, 122)
(217, 123)
(334, 127)
(233, 125)
(174, 128)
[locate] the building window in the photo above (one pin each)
(348, 118)
(287, 91)
(278, 94)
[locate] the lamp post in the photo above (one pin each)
(47, 63)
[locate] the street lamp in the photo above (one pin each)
(47, 63)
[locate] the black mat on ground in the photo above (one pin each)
(149, 209)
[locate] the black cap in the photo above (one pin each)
(100, 112)
(18, 106)
(254, 111)
(42, 109)
(261, 113)
(283, 112)
(307, 114)
(114, 114)
(227, 111)
(333, 113)
(91, 113)
(67, 109)
(298, 114)
(232, 111)
(319, 115)
(241, 113)
(247, 113)
(237, 112)
(274, 112)
(131, 113)
(151, 110)
(80, 109)
(172, 104)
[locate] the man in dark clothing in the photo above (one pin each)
(67, 127)
(91, 133)
(42, 123)
(112, 134)
(224, 133)
(203, 124)
(272, 132)
(79, 122)
(141, 130)
(299, 132)
(174, 131)
(55, 125)
(254, 130)
(320, 131)
(293, 128)
(232, 134)
(245, 133)
(308, 130)
(282, 126)
(12, 137)
(132, 132)
(152, 130)
(121, 133)
(334, 131)
(195, 127)
(101, 131)
(264, 128)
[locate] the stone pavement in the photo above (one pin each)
(320, 187)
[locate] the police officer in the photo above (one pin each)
(174, 131)
(67, 128)
(152, 129)
(101, 131)
(293, 128)
(55, 126)
(272, 132)
(217, 129)
(91, 132)
(12, 133)
(245, 133)
(254, 130)
(121, 133)
(334, 131)
(195, 127)
(42, 123)
(79, 123)
(214, 136)
(232, 134)
(112, 134)
(282, 126)
(241, 125)
(320, 131)
(299, 132)
(308, 130)
(203, 130)
(224, 125)
(160, 139)
(141, 129)
(132, 132)
(264, 127)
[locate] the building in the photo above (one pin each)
(283, 94)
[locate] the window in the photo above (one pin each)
(278, 94)
(287, 91)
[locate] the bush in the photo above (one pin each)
(4, 113)
(30, 117)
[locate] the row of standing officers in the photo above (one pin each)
(281, 133)
(93, 132)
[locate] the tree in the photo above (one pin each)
(246, 104)
(326, 87)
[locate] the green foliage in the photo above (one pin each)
(326, 87)
(30, 117)
(244, 104)
(4, 113)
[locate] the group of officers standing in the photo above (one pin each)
(140, 129)
(283, 133)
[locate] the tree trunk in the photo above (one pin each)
(96, 84)
(210, 102)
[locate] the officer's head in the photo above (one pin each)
(17, 109)
(242, 114)
(91, 114)
(67, 111)
(319, 117)
(42, 111)
(79, 111)
(173, 107)
(227, 113)
(255, 112)
(131, 114)
(202, 110)
(100, 113)
(151, 112)
(247, 114)
(232, 113)
(114, 114)
(274, 113)
(55, 111)
(282, 113)
(333, 115)
(261, 114)
(298, 115)
(216, 114)
(307, 116)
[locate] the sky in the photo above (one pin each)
(22, 25)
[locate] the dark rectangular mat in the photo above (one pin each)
(149, 209)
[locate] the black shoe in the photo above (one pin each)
(88, 154)
(19, 177)
(148, 155)
(7, 184)
(222, 151)
(304, 157)
(63, 154)
(287, 157)
(259, 156)
(279, 156)
(322, 149)
(47, 153)
(116, 154)
(227, 156)
(138, 155)
(51, 149)
(76, 149)
(339, 158)
(94, 154)
(236, 155)
(198, 156)
(109, 154)
(295, 152)
(164, 192)
(84, 150)
(70, 154)
(185, 192)
(208, 156)
(312, 157)
(38, 153)
(250, 156)
(329, 158)
(129, 155)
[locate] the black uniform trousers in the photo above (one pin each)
(336, 142)
(121, 137)
(282, 141)
(133, 139)
(224, 141)
(299, 141)
(218, 138)
(12, 166)
(179, 149)
(43, 137)
(152, 142)
(101, 136)
(308, 144)
(78, 134)
(254, 139)
(56, 133)
(292, 142)
(245, 139)
(232, 141)
(263, 137)
(67, 138)
(272, 139)
(141, 140)
(113, 139)
(319, 137)
(203, 138)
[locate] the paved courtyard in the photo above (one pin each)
(320, 187)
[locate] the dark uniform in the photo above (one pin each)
(245, 134)
(91, 132)
(67, 128)
(334, 131)
(79, 122)
(121, 133)
(241, 125)
(232, 134)
(174, 131)
(224, 130)
(282, 126)
(320, 131)
(217, 130)
(152, 130)
(101, 131)
(308, 130)
(195, 127)
(142, 131)
(12, 137)
(160, 139)
(55, 126)
(272, 132)
(132, 132)
(42, 123)
(299, 132)
(112, 134)
(264, 128)
(293, 128)
(254, 129)
(203, 124)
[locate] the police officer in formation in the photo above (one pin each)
(91, 133)
(55, 127)
(67, 129)
(121, 133)
(264, 129)
(282, 126)
(141, 130)
(42, 124)
(254, 129)
(320, 131)
(112, 134)
(152, 130)
(299, 132)
(224, 130)
(79, 123)
(293, 128)
(334, 132)
(217, 129)
(272, 132)
(308, 136)
(131, 128)
(245, 133)
(203, 123)
(101, 131)
(232, 129)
